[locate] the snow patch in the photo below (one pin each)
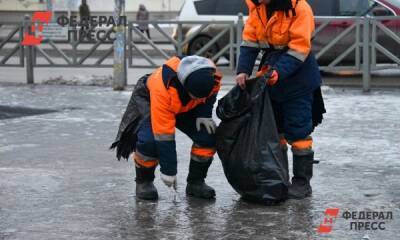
(81, 80)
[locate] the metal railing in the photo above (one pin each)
(378, 30)
(74, 53)
(13, 36)
(180, 41)
(356, 44)
(326, 46)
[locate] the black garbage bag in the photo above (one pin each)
(137, 110)
(248, 145)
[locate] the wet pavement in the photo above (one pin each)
(59, 181)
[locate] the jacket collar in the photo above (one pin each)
(170, 78)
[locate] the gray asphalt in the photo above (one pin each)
(60, 181)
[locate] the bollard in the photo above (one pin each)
(120, 71)
(28, 51)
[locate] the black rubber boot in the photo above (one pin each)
(196, 186)
(302, 174)
(145, 188)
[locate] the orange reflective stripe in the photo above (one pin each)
(203, 152)
(302, 144)
(144, 163)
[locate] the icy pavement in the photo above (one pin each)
(59, 181)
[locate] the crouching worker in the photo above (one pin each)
(180, 94)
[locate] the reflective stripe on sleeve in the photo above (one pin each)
(254, 44)
(300, 56)
(164, 137)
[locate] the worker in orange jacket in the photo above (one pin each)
(181, 95)
(283, 30)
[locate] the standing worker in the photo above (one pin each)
(143, 15)
(283, 30)
(180, 94)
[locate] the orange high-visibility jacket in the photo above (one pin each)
(165, 100)
(280, 31)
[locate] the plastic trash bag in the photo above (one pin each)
(137, 109)
(248, 145)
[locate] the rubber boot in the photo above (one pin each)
(302, 174)
(196, 186)
(145, 188)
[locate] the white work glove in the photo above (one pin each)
(208, 123)
(169, 181)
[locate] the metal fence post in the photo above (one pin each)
(21, 47)
(180, 39)
(239, 29)
(359, 46)
(366, 56)
(120, 71)
(29, 52)
(373, 43)
(74, 43)
(129, 44)
(232, 46)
